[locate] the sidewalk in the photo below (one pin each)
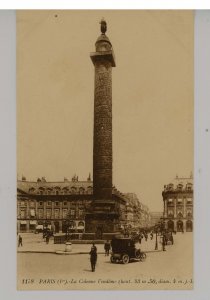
(36, 244)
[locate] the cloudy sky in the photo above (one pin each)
(152, 96)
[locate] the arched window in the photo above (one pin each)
(180, 226)
(81, 190)
(73, 190)
(90, 190)
(81, 223)
(170, 186)
(189, 186)
(180, 186)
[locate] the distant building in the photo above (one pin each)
(156, 217)
(137, 215)
(178, 204)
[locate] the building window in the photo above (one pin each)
(49, 203)
(90, 190)
(48, 215)
(180, 215)
(40, 203)
(72, 212)
(22, 202)
(189, 213)
(32, 203)
(65, 203)
(179, 201)
(81, 190)
(73, 190)
(41, 213)
(32, 213)
(56, 203)
(56, 213)
(170, 201)
(22, 214)
(170, 213)
(80, 213)
(56, 192)
(179, 187)
(64, 213)
(189, 200)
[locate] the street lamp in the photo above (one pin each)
(156, 242)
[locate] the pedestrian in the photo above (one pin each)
(151, 235)
(164, 242)
(107, 247)
(146, 236)
(20, 241)
(93, 257)
(47, 239)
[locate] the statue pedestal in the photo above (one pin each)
(103, 220)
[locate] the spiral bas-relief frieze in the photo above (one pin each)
(102, 157)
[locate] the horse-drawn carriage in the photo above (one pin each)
(168, 238)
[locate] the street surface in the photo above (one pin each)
(170, 269)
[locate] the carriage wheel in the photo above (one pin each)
(138, 254)
(143, 256)
(125, 259)
(112, 259)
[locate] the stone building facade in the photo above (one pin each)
(137, 215)
(53, 203)
(41, 203)
(156, 217)
(178, 204)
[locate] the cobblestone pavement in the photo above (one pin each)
(170, 269)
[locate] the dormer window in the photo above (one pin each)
(179, 186)
(189, 186)
(170, 186)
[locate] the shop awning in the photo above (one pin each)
(39, 227)
(32, 212)
(80, 227)
(33, 222)
(23, 222)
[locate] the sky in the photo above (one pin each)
(152, 96)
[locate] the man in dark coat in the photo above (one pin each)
(93, 257)
(20, 241)
(107, 247)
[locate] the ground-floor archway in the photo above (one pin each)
(189, 226)
(56, 224)
(170, 225)
(180, 226)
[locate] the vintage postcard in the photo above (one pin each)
(105, 104)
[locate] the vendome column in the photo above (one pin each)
(101, 218)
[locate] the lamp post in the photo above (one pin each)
(156, 242)
(67, 229)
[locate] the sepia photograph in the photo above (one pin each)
(105, 147)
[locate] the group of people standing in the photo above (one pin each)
(144, 235)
